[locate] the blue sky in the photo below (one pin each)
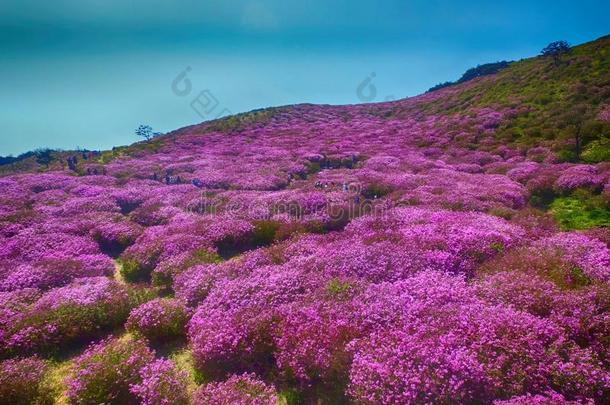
(86, 73)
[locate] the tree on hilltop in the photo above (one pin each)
(556, 50)
(146, 132)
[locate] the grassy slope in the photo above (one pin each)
(549, 102)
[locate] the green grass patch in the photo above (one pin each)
(581, 212)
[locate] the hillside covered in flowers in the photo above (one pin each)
(447, 248)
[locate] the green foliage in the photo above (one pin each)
(472, 73)
(109, 155)
(597, 151)
(440, 86)
(44, 156)
(483, 70)
(138, 295)
(71, 324)
(567, 155)
(582, 210)
(203, 256)
(339, 289)
(501, 212)
(7, 160)
(376, 190)
(556, 50)
(133, 271)
(290, 397)
(265, 232)
(578, 277)
(314, 167)
(22, 382)
(240, 121)
(146, 132)
(497, 246)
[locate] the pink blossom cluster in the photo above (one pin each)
(580, 176)
(310, 310)
(548, 398)
(161, 383)
(107, 371)
(591, 256)
(452, 347)
(80, 310)
(244, 389)
(159, 319)
(21, 381)
(185, 233)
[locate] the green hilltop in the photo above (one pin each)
(553, 104)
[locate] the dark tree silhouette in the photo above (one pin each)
(440, 86)
(5, 160)
(483, 70)
(145, 131)
(44, 156)
(473, 73)
(576, 127)
(556, 50)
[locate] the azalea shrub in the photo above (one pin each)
(22, 382)
(79, 311)
(161, 383)
(107, 370)
(244, 389)
(159, 320)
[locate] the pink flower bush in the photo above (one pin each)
(232, 329)
(459, 239)
(590, 256)
(34, 244)
(459, 351)
(106, 372)
(195, 284)
(454, 190)
(13, 305)
(185, 233)
(51, 272)
(311, 341)
(161, 384)
(245, 389)
(579, 176)
(21, 381)
(548, 398)
(159, 319)
(116, 236)
(64, 315)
